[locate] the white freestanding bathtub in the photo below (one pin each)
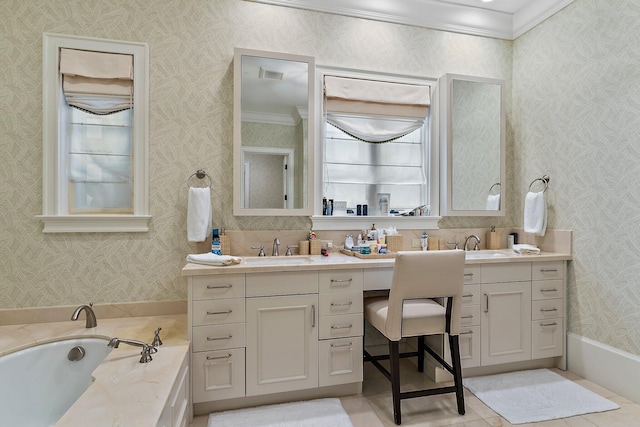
(39, 384)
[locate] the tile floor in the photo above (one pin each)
(373, 407)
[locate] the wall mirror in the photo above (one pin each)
(273, 133)
(473, 146)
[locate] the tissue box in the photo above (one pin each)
(394, 242)
(315, 246)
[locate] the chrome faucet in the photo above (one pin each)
(91, 316)
(261, 253)
(147, 350)
(475, 247)
(276, 245)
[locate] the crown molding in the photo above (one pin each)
(438, 15)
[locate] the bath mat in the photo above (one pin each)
(311, 413)
(535, 395)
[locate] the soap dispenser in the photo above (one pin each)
(424, 241)
(493, 240)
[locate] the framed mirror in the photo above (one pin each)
(273, 133)
(473, 146)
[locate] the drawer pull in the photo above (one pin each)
(313, 316)
(549, 270)
(211, 313)
(549, 290)
(469, 316)
(467, 296)
(466, 332)
(468, 274)
(342, 304)
(341, 346)
(219, 357)
(548, 310)
(228, 337)
(219, 286)
(548, 324)
(349, 326)
(342, 282)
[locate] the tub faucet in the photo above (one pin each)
(147, 350)
(91, 316)
(477, 241)
(276, 245)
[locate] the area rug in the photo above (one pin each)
(535, 395)
(311, 413)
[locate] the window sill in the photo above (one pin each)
(364, 222)
(95, 223)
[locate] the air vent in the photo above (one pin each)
(270, 75)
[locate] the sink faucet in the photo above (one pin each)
(276, 245)
(475, 247)
(147, 350)
(91, 316)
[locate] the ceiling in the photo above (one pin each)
(503, 19)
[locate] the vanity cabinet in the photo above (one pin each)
(547, 309)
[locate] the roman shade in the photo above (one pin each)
(359, 107)
(97, 82)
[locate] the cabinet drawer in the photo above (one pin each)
(548, 270)
(469, 346)
(341, 280)
(471, 294)
(547, 338)
(547, 309)
(547, 289)
(470, 315)
(340, 303)
(282, 283)
(217, 337)
(472, 274)
(218, 375)
(211, 312)
(223, 286)
(377, 278)
(340, 361)
(510, 272)
(348, 325)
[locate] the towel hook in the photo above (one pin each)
(200, 174)
(545, 179)
(498, 184)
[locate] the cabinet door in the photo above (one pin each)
(218, 375)
(282, 343)
(547, 338)
(469, 346)
(506, 322)
(340, 361)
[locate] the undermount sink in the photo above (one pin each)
(485, 254)
(279, 260)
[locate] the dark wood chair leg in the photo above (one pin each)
(421, 353)
(454, 345)
(394, 364)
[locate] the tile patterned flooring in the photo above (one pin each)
(373, 407)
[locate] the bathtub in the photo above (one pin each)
(39, 384)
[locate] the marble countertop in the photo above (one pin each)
(337, 260)
(124, 392)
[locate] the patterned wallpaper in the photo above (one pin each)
(576, 116)
(191, 96)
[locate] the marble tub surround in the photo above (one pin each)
(557, 241)
(124, 392)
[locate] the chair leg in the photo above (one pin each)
(394, 364)
(421, 353)
(454, 345)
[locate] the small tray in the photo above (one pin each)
(368, 256)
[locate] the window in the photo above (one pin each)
(95, 137)
(376, 150)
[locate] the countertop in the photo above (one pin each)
(125, 392)
(337, 260)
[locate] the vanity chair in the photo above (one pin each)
(409, 311)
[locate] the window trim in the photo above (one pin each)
(320, 222)
(55, 216)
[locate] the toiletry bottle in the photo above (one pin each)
(493, 241)
(424, 241)
(216, 247)
(348, 241)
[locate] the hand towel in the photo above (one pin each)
(493, 202)
(535, 213)
(199, 223)
(525, 249)
(213, 259)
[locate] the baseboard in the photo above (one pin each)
(614, 369)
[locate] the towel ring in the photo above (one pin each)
(200, 174)
(497, 183)
(545, 179)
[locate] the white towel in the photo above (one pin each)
(493, 202)
(535, 213)
(525, 249)
(213, 259)
(199, 223)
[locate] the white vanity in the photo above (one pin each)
(272, 332)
